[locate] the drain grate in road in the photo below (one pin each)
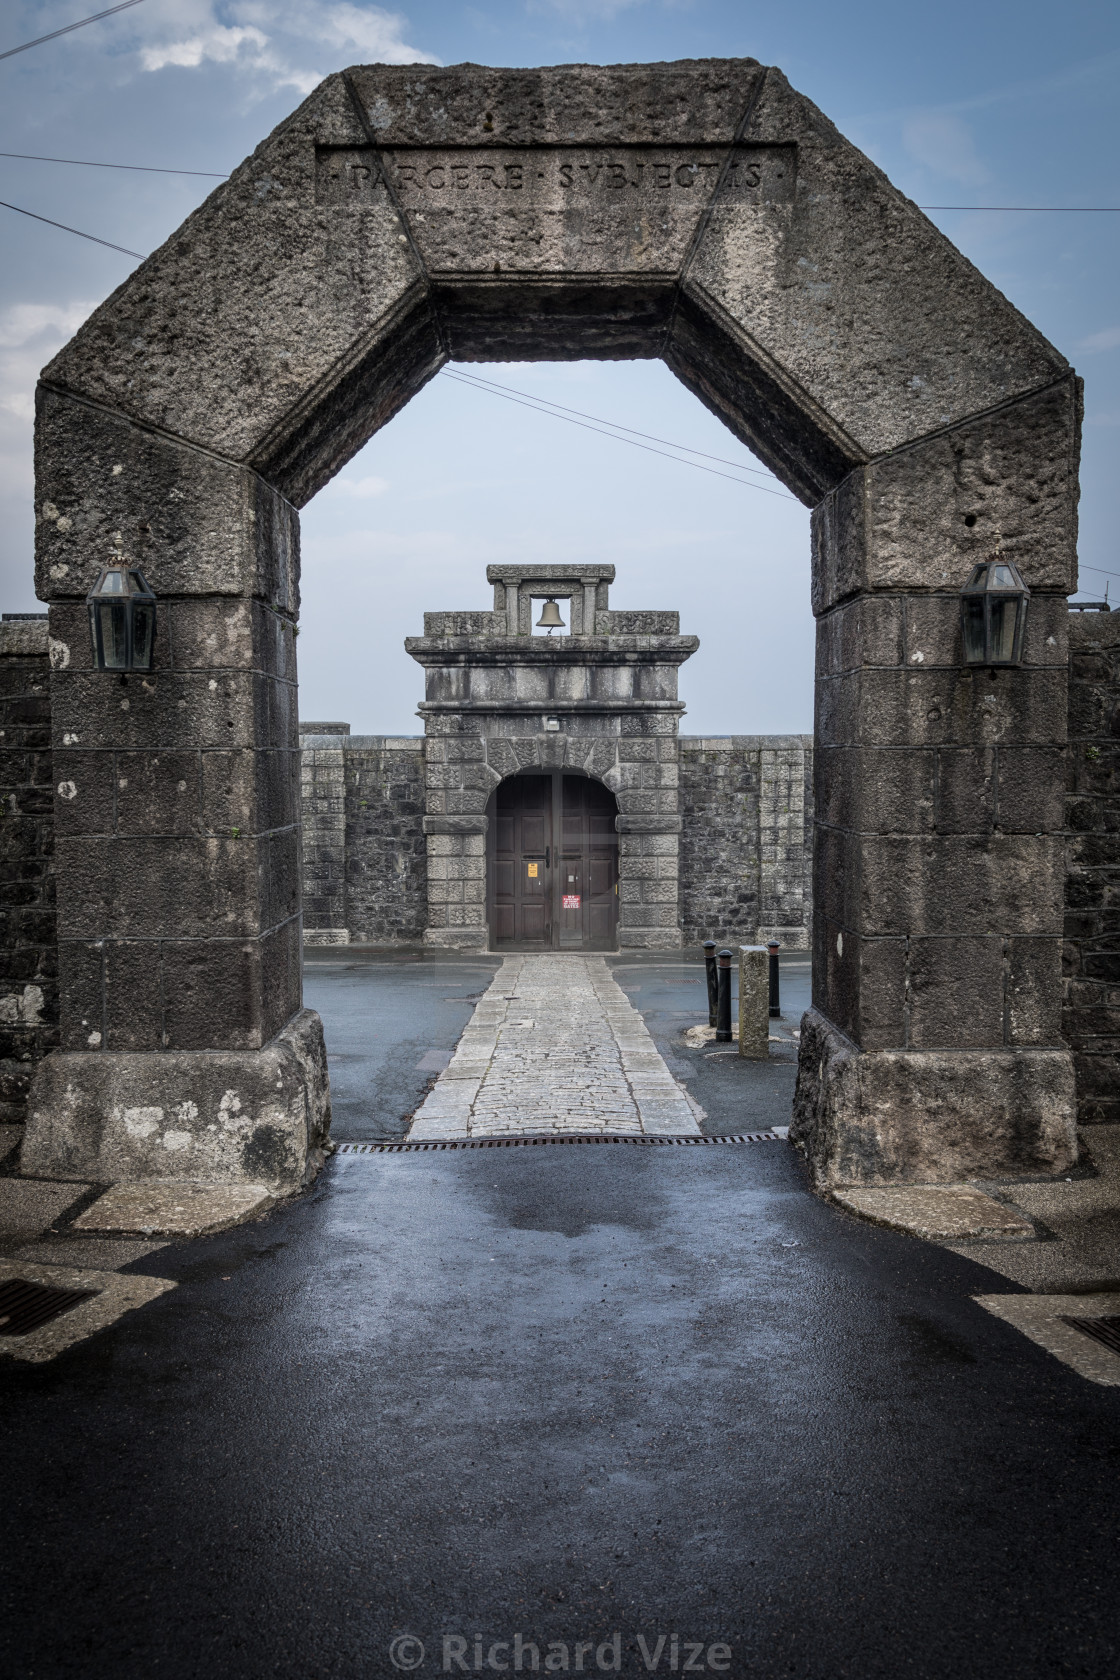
(529, 1142)
(1103, 1330)
(26, 1306)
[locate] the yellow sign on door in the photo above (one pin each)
(532, 872)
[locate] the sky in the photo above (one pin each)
(990, 103)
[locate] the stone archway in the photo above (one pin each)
(703, 212)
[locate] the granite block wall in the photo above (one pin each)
(28, 941)
(746, 838)
(386, 849)
(365, 867)
(1091, 953)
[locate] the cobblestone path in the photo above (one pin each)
(554, 1046)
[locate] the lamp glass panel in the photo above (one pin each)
(1004, 614)
(113, 584)
(1002, 578)
(113, 628)
(143, 625)
(972, 624)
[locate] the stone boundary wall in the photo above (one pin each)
(747, 838)
(745, 845)
(1091, 954)
(365, 867)
(28, 940)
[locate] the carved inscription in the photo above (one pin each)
(555, 177)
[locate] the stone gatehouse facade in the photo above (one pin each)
(713, 832)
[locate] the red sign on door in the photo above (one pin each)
(571, 901)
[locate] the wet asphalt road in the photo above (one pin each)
(560, 1391)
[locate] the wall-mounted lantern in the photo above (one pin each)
(122, 619)
(550, 619)
(994, 614)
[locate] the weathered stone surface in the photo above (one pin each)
(262, 305)
(920, 518)
(1091, 956)
(28, 933)
(26, 1207)
(754, 1002)
(938, 1213)
(173, 1208)
(213, 1116)
(197, 525)
(812, 282)
(746, 838)
(932, 1116)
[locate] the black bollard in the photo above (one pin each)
(723, 1002)
(710, 968)
(775, 993)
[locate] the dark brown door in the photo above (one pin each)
(588, 885)
(522, 882)
(554, 864)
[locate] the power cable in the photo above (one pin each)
(1035, 209)
(55, 33)
(124, 248)
(507, 390)
(145, 168)
(598, 430)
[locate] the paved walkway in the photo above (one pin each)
(554, 1046)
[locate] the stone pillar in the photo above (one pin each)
(29, 943)
(754, 1002)
(933, 1050)
(184, 1051)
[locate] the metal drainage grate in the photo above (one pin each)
(25, 1306)
(528, 1142)
(1103, 1330)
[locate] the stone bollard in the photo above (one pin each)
(723, 1002)
(710, 976)
(754, 1002)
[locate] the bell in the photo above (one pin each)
(550, 617)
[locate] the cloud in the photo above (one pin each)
(943, 144)
(29, 335)
(283, 43)
(585, 11)
(22, 322)
(218, 43)
(1109, 339)
(362, 487)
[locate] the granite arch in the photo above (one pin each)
(703, 212)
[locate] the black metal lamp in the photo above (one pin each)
(994, 614)
(122, 619)
(550, 619)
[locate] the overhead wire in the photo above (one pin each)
(89, 163)
(601, 432)
(507, 390)
(81, 23)
(37, 218)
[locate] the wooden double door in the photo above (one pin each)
(553, 865)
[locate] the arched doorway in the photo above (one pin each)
(552, 864)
